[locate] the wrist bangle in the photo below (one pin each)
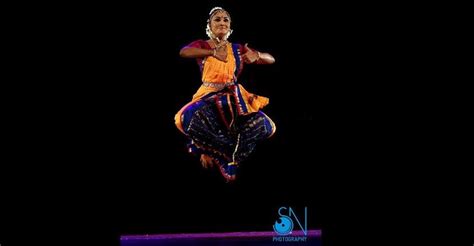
(213, 52)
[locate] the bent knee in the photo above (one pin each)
(270, 127)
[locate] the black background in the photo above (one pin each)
(93, 152)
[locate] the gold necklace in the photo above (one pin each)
(219, 44)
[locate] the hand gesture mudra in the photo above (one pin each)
(250, 55)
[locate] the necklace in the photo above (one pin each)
(218, 43)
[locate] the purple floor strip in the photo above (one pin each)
(311, 233)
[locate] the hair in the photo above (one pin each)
(208, 27)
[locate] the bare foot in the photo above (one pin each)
(207, 161)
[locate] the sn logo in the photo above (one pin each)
(284, 225)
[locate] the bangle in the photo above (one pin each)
(213, 52)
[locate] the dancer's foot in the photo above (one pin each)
(207, 161)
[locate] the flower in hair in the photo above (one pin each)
(214, 9)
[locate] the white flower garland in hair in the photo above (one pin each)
(214, 9)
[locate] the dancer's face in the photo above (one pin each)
(220, 24)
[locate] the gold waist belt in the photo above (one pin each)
(217, 85)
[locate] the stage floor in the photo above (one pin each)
(313, 237)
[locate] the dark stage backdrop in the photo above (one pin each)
(96, 153)
(162, 189)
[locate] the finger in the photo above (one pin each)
(246, 47)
